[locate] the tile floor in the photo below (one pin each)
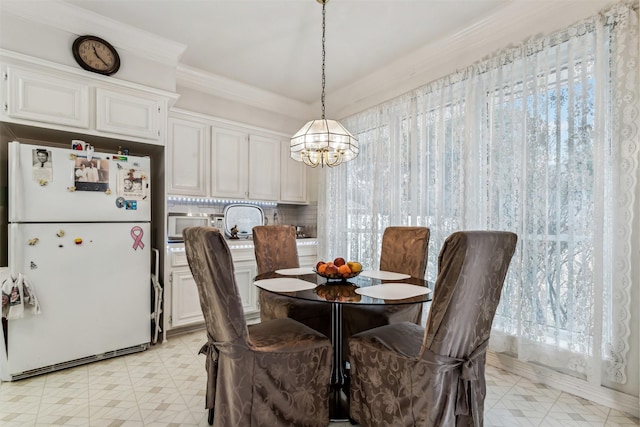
(164, 386)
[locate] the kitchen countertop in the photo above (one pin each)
(248, 243)
(245, 243)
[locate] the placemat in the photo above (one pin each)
(284, 284)
(295, 271)
(384, 275)
(393, 291)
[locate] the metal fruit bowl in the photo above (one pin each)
(338, 276)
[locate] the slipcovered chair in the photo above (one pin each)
(404, 250)
(406, 375)
(274, 373)
(275, 248)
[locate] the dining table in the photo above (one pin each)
(369, 288)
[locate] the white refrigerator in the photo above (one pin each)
(79, 232)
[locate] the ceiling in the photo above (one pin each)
(275, 45)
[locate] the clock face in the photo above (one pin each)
(95, 54)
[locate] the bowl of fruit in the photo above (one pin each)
(338, 269)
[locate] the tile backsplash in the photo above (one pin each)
(297, 215)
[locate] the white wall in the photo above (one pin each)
(211, 105)
(49, 34)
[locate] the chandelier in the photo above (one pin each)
(323, 142)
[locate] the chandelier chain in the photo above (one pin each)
(323, 54)
(323, 142)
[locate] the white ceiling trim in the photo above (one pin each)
(73, 19)
(512, 23)
(233, 90)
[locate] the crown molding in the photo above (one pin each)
(515, 22)
(75, 20)
(16, 58)
(233, 90)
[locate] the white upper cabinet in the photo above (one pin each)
(188, 157)
(46, 98)
(229, 166)
(211, 158)
(293, 178)
(244, 166)
(264, 168)
(127, 114)
(49, 95)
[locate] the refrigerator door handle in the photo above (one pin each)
(16, 252)
(14, 162)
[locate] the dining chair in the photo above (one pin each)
(275, 248)
(274, 373)
(406, 375)
(404, 250)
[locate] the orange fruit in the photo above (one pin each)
(322, 268)
(344, 270)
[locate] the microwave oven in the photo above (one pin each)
(177, 222)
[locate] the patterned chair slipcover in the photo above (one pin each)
(404, 250)
(406, 375)
(275, 248)
(274, 373)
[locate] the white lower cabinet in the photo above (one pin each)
(183, 302)
(245, 272)
(308, 254)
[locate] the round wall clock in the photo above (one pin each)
(95, 54)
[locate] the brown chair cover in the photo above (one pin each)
(275, 248)
(404, 250)
(406, 375)
(274, 373)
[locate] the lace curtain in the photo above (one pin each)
(540, 139)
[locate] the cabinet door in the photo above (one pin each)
(245, 272)
(45, 98)
(229, 152)
(188, 159)
(264, 168)
(127, 114)
(185, 302)
(308, 255)
(293, 178)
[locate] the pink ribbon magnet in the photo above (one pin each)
(137, 233)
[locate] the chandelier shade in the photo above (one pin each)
(321, 141)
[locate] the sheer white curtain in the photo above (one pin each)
(540, 139)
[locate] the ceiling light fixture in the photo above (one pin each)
(323, 142)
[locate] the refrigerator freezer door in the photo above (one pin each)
(93, 287)
(49, 188)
